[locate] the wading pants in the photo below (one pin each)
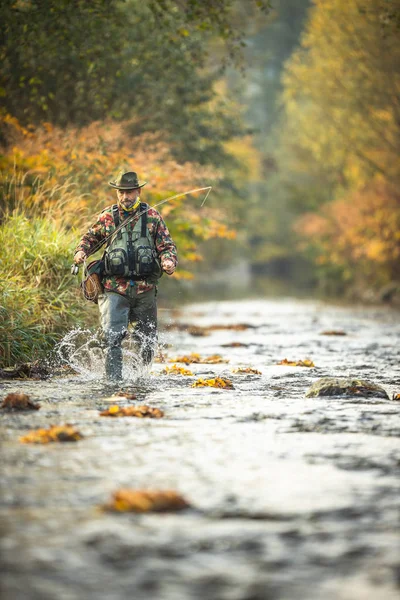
(116, 313)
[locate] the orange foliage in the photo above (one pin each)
(16, 401)
(359, 232)
(142, 501)
(65, 172)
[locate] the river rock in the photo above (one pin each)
(345, 386)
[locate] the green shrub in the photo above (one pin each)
(39, 300)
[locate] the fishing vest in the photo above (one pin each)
(131, 253)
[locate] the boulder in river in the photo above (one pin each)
(345, 386)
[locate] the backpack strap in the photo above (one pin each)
(143, 207)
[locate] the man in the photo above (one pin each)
(134, 259)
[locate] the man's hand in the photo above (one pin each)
(79, 257)
(168, 266)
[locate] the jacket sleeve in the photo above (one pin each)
(164, 243)
(95, 234)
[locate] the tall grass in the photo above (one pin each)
(39, 300)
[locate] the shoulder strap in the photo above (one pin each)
(143, 207)
(115, 212)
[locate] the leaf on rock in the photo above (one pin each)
(242, 371)
(235, 345)
(175, 370)
(396, 397)
(217, 382)
(55, 433)
(296, 363)
(132, 411)
(17, 401)
(142, 501)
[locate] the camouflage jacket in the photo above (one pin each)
(105, 226)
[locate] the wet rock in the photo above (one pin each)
(346, 386)
(34, 370)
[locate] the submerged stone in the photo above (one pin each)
(345, 386)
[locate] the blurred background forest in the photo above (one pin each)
(290, 109)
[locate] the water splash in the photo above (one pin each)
(83, 350)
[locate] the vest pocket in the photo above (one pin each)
(116, 262)
(144, 260)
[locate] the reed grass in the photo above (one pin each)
(39, 300)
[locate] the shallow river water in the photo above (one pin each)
(291, 497)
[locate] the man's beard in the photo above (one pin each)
(129, 204)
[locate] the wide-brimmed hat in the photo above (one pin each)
(127, 181)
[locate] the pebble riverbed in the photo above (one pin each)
(292, 498)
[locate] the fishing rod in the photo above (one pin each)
(75, 267)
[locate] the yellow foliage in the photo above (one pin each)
(296, 363)
(175, 370)
(132, 411)
(217, 382)
(56, 433)
(341, 90)
(196, 358)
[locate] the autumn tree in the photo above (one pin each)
(70, 63)
(341, 133)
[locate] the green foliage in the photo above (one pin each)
(37, 302)
(75, 62)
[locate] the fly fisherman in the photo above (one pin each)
(133, 262)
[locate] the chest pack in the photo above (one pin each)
(131, 253)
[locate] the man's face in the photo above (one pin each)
(128, 198)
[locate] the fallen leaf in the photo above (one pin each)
(217, 382)
(235, 345)
(127, 395)
(213, 360)
(396, 397)
(56, 433)
(132, 411)
(187, 358)
(142, 501)
(175, 370)
(17, 401)
(333, 332)
(296, 363)
(196, 358)
(242, 370)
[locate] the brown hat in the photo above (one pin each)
(127, 181)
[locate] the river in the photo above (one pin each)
(292, 498)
